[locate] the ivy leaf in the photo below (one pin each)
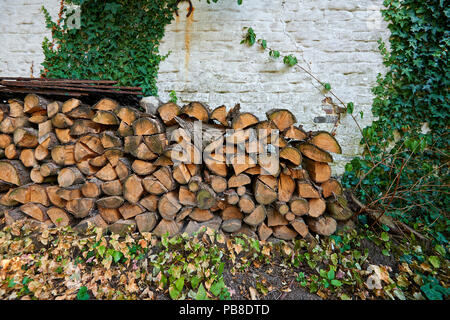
(264, 44)
(350, 107)
(384, 236)
(327, 86)
(83, 294)
(117, 255)
(434, 261)
(274, 54)
(336, 283)
(239, 2)
(201, 293)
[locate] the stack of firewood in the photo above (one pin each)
(175, 171)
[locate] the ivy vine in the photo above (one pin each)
(116, 40)
(405, 170)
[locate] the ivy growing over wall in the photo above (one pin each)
(116, 40)
(404, 170)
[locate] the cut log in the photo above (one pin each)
(70, 104)
(59, 217)
(219, 184)
(168, 205)
(91, 188)
(339, 209)
(299, 206)
(146, 222)
(295, 133)
(167, 227)
(167, 112)
(282, 118)
(181, 173)
(282, 207)
(70, 193)
(164, 175)
(33, 103)
(291, 154)
(244, 120)
(53, 108)
(106, 105)
(306, 190)
(264, 232)
(220, 114)
(300, 226)
(314, 153)
(80, 208)
(286, 187)
(26, 137)
(318, 171)
(257, 216)
(324, 226)
(231, 225)
(62, 121)
(153, 186)
(27, 157)
(15, 108)
(206, 197)
(70, 176)
(126, 114)
(130, 210)
(35, 210)
(143, 168)
(246, 204)
(264, 193)
(54, 198)
(132, 189)
(107, 173)
(81, 127)
(326, 141)
(150, 202)
(317, 207)
(9, 124)
(147, 126)
(11, 152)
(109, 215)
(331, 187)
(186, 197)
(196, 110)
(5, 140)
(14, 172)
(64, 136)
(106, 118)
(112, 202)
(231, 196)
(112, 188)
(231, 212)
(63, 155)
(284, 233)
(274, 218)
(201, 215)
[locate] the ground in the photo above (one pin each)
(356, 264)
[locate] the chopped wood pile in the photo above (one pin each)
(118, 168)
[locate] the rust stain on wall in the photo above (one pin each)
(187, 40)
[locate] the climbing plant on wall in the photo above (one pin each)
(405, 170)
(116, 40)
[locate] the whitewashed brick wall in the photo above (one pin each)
(335, 39)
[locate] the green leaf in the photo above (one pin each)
(117, 255)
(195, 281)
(264, 44)
(330, 275)
(327, 86)
(385, 236)
(434, 260)
(179, 284)
(350, 108)
(336, 283)
(83, 294)
(201, 293)
(174, 293)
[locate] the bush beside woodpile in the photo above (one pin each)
(119, 168)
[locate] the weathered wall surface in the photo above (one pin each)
(335, 40)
